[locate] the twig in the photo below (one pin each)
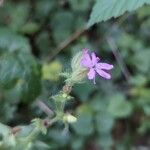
(1, 2)
(67, 42)
(15, 130)
(74, 36)
(119, 58)
(48, 122)
(45, 108)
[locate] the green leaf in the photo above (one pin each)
(7, 111)
(138, 80)
(77, 143)
(10, 42)
(104, 123)
(143, 12)
(146, 109)
(18, 68)
(79, 5)
(43, 43)
(83, 90)
(10, 70)
(105, 142)
(84, 125)
(17, 14)
(144, 126)
(43, 8)
(60, 136)
(31, 77)
(106, 9)
(24, 138)
(98, 103)
(38, 145)
(62, 31)
(30, 28)
(143, 65)
(119, 107)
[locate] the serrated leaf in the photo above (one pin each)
(106, 9)
(38, 123)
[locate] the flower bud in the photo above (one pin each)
(75, 63)
(69, 118)
(78, 72)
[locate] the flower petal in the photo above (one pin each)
(103, 74)
(86, 60)
(95, 59)
(91, 74)
(85, 50)
(104, 66)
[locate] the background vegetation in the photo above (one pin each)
(37, 41)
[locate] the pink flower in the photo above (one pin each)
(93, 64)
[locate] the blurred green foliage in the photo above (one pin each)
(111, 115)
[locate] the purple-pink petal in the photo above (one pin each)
(91, 74)
(104, 66)
(91, 61)
(94, 59)
(86, 59)
(85, 63)
(85, 50)
(103, 73)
